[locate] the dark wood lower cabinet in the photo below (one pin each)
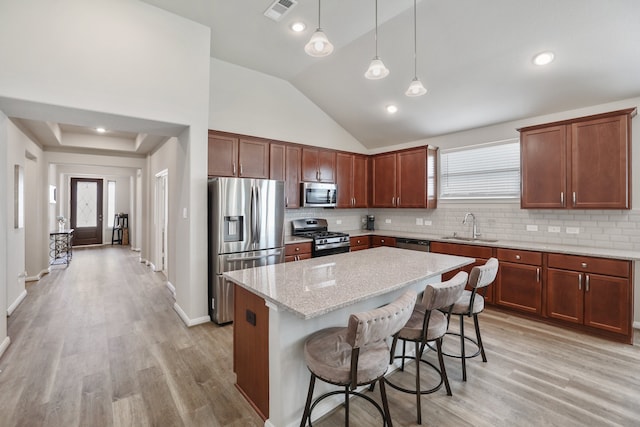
(359, 243)
(251, 349)
(519, 280)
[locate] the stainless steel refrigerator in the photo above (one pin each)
(246, 229)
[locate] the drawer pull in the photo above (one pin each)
(583, 265)
(517, 256)
(297, 249)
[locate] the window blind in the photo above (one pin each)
(481, 171)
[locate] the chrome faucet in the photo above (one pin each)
(474, 232)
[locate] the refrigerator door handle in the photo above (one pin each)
(258, 215)
(253, 214)
(253, 258)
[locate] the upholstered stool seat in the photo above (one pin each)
(356, 355)
(428, 323)
(470, 304)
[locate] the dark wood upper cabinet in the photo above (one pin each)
(222, 155)
(401, 179)
(318, 165)
(237, 157)
(583, 163)
(351, 179)
(277, 160)
(293, 158)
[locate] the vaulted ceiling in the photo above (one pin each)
(475, 57)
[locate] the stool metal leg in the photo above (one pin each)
(346, 406)
(478, 337)
(443, 370)
(462, 349)
(385, 403)
(418, 394)
(307, 407)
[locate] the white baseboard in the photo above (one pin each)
(187, 321)
(37, 277)
(136, 249)
(152, 266)
(4, 345)
(172, 289)
(17, 302)
(636, 325)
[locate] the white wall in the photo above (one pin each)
(15, 276)
(161, 160)
(4, 338)
(130, 64)
(252, 103)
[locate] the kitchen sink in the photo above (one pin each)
(469, 239)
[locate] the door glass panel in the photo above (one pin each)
(87, 194)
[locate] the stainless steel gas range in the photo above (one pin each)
(324, 242)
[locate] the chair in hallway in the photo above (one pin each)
(428, 322)
(471, 303)
(356, 355)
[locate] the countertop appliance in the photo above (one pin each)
(371, 222)
(246, 229)
(324, 242)
(318, 195)
(415, 244)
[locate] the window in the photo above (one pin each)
(111, 200)
(486, 171)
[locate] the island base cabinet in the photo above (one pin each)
(519, 287)
(251, 349)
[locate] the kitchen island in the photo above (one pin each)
(278, 306)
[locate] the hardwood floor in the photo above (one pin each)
(99, 344)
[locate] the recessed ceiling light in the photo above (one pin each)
(298, 27)
(543, 58)
(392, 109)
(101, 130)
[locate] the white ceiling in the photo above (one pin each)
(473, 56)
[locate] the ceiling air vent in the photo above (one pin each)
(279, 8)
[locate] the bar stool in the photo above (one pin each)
(356, 355)
(470, 304)
(429, 323)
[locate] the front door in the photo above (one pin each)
(86, 211)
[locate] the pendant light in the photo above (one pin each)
(415, 88)
(319, 45)
(376, 70)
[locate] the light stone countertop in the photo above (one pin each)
(508, 244)
(316, 286)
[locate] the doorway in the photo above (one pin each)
(86, 211)
(162, 220)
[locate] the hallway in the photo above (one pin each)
(99, 344)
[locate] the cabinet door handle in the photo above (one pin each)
(233, 166)
(562, 198)
(286, 201)
(240, 168)
(398, 201)
(574, 198)
(580, 281)
(393, 201)
(538, 274)
(586, 284)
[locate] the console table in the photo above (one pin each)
(61, 246)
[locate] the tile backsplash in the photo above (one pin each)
(618, 229)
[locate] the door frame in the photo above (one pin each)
(99, 209)
(161, 219)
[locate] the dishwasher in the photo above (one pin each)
(415, 244)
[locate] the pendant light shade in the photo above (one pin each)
(376, 70)
(319, 44)
(416, 88)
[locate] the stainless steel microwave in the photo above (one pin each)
(318, 195)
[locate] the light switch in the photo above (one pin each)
(387, 221)
(428, 222)
(338, 221)
(532, 227)
(573, 230)
(419, 221)
(553, 229)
